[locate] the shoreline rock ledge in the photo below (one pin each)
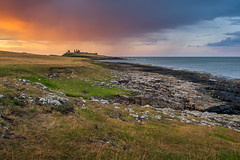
(177, 89)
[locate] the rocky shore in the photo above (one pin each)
(177, 89)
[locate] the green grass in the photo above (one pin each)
(221, 136)
(98, 63)
(78, 138)
(42, 80)
(78, 88)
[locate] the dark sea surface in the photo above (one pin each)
(228, 67)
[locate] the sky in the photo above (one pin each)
(122, 28)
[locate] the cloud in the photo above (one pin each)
(235, 22)
(237, 34)
(105, 20)
(228, 42)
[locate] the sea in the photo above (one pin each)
(226, 67)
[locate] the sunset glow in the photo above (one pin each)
(126, 28)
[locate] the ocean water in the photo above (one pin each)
(228, 67)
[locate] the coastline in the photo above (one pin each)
(186, 89)
(217, 66)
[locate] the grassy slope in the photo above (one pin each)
(99, 131)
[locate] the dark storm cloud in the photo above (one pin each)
(234, 34)
(235, 41)
(110, 19)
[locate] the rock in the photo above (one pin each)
(50, 101)
(147, 106)
(62, 94)
(142, 117)
(22, 96)
(24, 80)
(44, 87)
(182, 118)
(95, 100)
(104, 101)
(157, 117)
(2, 96)
(116, 107)
(83, 101)
(146, 112)
(172, 115)
(130, 110)
(134, 115)
(188, 122)
(116, 104)
(55, 102)
(64, 100)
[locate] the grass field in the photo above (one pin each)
(95, 131)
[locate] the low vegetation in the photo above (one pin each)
(91, 130)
